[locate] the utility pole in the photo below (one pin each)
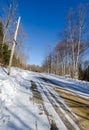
(13, 46)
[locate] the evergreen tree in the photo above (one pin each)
(83, 74)
(80, 71)
(1, 40)
(86, 74)
(1, 32)
(4, 49)
(6, 54)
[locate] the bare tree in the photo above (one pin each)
(83, 27)
(47, 60)
(74, 43)
(9, 14)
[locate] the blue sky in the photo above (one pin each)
(42, 21)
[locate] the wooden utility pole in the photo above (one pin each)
(13, 46)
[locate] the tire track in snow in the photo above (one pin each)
(50, 109)
(69, 122)
(61, 112)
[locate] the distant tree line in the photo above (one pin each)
(35, 68)
(70, 55)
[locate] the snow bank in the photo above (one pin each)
(7, 88)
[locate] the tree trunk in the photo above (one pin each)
(14, 42)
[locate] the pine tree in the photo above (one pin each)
(80, 72)
(4, 49)
(6, 54)
(1, 32)
(1, 40)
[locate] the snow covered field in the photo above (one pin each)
(27, 102)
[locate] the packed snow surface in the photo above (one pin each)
(78, 87)
(20, 111)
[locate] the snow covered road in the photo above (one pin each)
(76, 86)
(28, 103)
